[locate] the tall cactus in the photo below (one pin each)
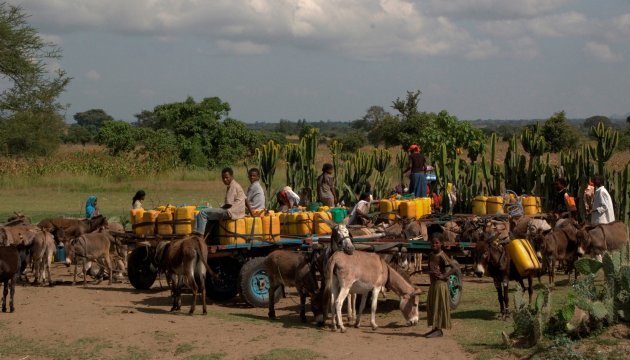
(309, 143)
(382, 159)
(402, 163)
(607, 140)
(267, 157)
(294, 169)
(514, 166)
(356, 174)
(533, 144)
(492, 172)
(335, 148)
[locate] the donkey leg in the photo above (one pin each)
(530, 288)
(375, 293)
(11, 307)
(4, 296)
(302, 295)
(343, 293)
(499, 288)
(350, 302)
(272, 301)
(357, 322)
(506, 298)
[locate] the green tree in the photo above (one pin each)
(92, 120)
(31, 133)
(24, 58)
(373, 117)
(353, 141)
(159, 147)
(77, 134)
(559, 134)
(117, 136)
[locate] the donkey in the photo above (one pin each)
(361, 273)
(491, 256)
(596, 240)
(9, 273)
(65, 230)
(90, 247)
(286, 268)
(557, 245)
(184, 261)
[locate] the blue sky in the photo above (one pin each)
(332, 60)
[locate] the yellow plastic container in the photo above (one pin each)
(320, 227)
(284, 226)
(231, 232)
(407, 209)
(479, 205)
(253, 228)
(423, 206)
(271, 227)
(323, 208)
(135, 216)
(184, 213)
(149, 217)
(494, 205)
(389, 208)
(531, 205)
(304, 223)
(523, 255)
(165, 223)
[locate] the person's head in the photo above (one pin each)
(365, 196)
(598, 180)
(227, 175)
(327, 168)
(414, 148)
(91, 201)
(254, 175)
(140, 194)
(561, 183)
(436, 241)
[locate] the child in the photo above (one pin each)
(91, 210)
(138, 199)
(438, 300)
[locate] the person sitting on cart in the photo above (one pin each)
(255, 199)
(360, 213)
(438, 299)
(138, 199)
(91, 209)
(287, 199)
(207, 221)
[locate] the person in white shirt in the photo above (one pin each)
(360, 212)
(602, 211)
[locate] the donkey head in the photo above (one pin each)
(341, 238)
(583, 241)
(409, 307)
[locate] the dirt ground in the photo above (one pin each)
(119, 322)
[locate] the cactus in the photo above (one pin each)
(607, 140)
(357, 171)
(295, 159)
(267, 156)
(335, 148)
(514, 166)
(533, 144)
(382, 159)
(402, 162)
(530, 322)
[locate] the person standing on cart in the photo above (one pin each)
(207, 221)
(439, 300)
(255, 199)
(326, 186)
(417, 165)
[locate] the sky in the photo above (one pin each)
(332, 60)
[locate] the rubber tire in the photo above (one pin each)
(225, 288)
(139, 268)
(254, 283)
(453, 280)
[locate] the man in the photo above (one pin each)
(326, 186)
(233, 207)
(438, 300)
(360, 212)
(255, 195)
(602, 211)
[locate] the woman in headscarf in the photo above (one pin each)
(91, 210)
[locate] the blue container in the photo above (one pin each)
(60, 256)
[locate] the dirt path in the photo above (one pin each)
(120, 322)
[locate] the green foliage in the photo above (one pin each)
(92, 120)
(530, 321)
(266, 136)
(595, 121)
(77, 134)
(117, 136)
(607, 140)
(559, 134)
(31, 133)
(267, 157)
(587, 266)
(24, 58)
(160, 148)
(353, 141)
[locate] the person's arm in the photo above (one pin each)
(249, 207)
(605, 199)
(453, 269)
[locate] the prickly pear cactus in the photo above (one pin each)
(587, 266)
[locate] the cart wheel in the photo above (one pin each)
(225, 287)
(254, 283)
(139, 268)
(455, 287)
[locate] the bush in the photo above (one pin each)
(31, 133)
(353, 141)
(117, 136)
(559, 134)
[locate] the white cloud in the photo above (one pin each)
(493, 9)
(601, 52)
(242, 47)
(524, 48)
(93, 75)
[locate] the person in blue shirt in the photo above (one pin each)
(91, 210)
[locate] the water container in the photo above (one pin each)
(185, 214)
(231, 232)
(135, 216)
(389, 208)
(304, 224)
(271, 227)
(60, 255)
(523, 255)
(494, 205)
(425, 205)
(291, 223)
(407, 209)
(253, 228)
(149, 217)
(320, 227)
(165, 223)
(531, 205)
(338, 214)
(323, 208)
(312, 207)
(479, 205)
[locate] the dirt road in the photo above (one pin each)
(119, 322)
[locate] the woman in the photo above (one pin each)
(138, 199)
(417, 166)
(91, 210)
(287, 199)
